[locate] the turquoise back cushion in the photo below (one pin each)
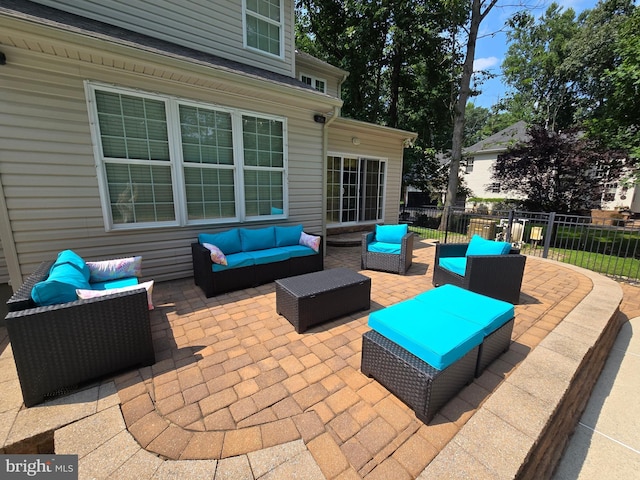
(391, 233)
(288, 236)
(72, 258)
(60, 286)
(480, 246)
(228, 241)
(257, 239)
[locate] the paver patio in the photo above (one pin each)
(233, 380)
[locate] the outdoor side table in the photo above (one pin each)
(313, 298)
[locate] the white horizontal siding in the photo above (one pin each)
(48, 168)
(212, 26)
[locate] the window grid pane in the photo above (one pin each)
(263, 192)
(206, 136)
(210, 193)
(263, 24)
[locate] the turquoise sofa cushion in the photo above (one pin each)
(116, 283)
(270, 255)
(227, 241)
(257, 239)
(454, 264)
(433, 336)
(287, 236)
(235, 260)
(382, 247)
(72, 258)
(300, 251)
(488, 313)
(481, 246)
(60, 286)
(391, 233)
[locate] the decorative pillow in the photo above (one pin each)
(481, 246)
(114, 269)
(288, 236)
(148, 286)
(310, 241)
(391, 233)
(216, 254)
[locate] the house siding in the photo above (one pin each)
(47, 165)
(205, 25)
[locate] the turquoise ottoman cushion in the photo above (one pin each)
(436, 337)
(488, 313)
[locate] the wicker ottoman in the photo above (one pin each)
(313, 298)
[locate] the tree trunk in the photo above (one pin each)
(461, 102)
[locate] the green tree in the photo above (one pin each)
(557, 172)
(542, 91)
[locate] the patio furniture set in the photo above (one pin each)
(423, 350)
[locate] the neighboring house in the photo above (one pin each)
(480, 158)
(127, 128)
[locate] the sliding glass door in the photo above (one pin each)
(355, 189)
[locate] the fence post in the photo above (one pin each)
(446, 222)
(507, 237)
(547, 237)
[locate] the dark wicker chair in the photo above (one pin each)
(59, 347)
(387, 262)
(496, 276)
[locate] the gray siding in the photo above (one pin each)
(212, 26)
(47, 164)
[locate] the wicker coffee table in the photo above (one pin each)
(313, 298)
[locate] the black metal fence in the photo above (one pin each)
(610, 246)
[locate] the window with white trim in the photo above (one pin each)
(164, 161)
(469, 165)
(317, 83)
(264, 26)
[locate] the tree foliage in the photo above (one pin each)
(557, 172)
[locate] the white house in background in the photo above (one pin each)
(480, 158)
(127, 130)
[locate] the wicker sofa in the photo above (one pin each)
(389, 248)
(254, 257)
(494, 275)
(59, 347)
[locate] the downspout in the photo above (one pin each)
(325, 150)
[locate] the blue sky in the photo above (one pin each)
(492, 41)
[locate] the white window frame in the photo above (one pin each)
(281, 24)
(468, 167)
(176, 161)
(314, 82)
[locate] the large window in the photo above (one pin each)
(355, 189)
(264, 25)
(164, 161)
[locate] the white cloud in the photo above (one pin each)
(484, 63)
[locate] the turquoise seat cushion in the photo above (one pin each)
(60, 286)
(116, 283)
(227, 241)
(288, 236)
(72, 258)
(433, 336)
(391, 233)
(488, 313)
(300, 251)
(481, 246)
(382, 247)
(257, 239)
(235, 260)
(454, 264)
(261, 257)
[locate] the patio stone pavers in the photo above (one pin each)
(233, 377)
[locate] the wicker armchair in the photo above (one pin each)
(496, 276)
(57, 348)
(387, 262)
